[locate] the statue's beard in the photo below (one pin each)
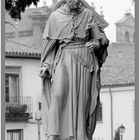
(75, 7)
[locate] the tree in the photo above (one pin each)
(16, 7)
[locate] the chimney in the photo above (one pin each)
(39, 19)
(128, 12)
(16, 31)
(102, 12)
(54, 1)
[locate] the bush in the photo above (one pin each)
(17, 113)
(16, 109)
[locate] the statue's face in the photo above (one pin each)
(73, 4)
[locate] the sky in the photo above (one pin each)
(113, 10)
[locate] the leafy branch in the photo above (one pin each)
(16, 7)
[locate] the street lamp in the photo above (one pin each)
(38, 119)
(121, 131)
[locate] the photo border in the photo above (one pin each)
(136, 69)
(2, 5)
(2, 69)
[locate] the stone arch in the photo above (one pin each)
(133, 37)
(127, 37)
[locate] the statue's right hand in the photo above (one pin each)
(43, 70)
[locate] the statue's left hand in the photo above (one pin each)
(44, 71)
(104, 39)
(92, 46)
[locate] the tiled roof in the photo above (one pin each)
(16, 49)
(119, 68)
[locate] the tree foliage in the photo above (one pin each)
(16, 7)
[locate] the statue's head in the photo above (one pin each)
(73, 4)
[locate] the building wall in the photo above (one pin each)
(30, 86)
(30, 82)
(30, 130)
(123, 113)
(103, 129)
(126, 24)
(120, 33)
(123, 110)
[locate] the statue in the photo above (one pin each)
(74, 48)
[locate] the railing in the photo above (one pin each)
(18, 108)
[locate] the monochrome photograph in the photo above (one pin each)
(69, 70)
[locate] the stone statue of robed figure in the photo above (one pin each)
(74, 49)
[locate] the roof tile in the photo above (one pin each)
(119, 70)
(13, 48)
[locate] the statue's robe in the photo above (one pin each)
(78, 84)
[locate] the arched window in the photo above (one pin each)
(127, 37)
(133, 37)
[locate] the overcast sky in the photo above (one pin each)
(113, 11)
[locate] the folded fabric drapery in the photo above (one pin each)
(71, 94)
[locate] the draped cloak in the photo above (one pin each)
(59, 27)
